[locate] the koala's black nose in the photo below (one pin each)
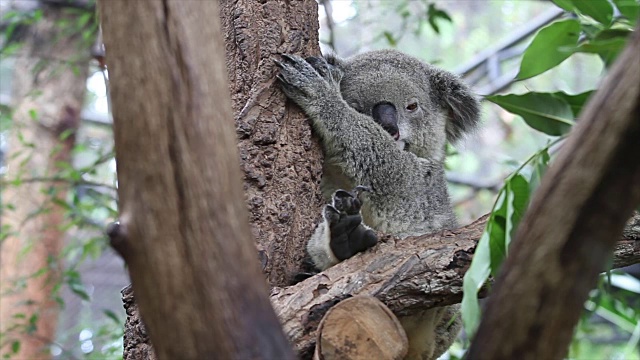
(385, 114)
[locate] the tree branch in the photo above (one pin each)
(183, 228)
(328, 11)
(407, 275)
(475, 184)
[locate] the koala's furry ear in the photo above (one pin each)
(458, 102)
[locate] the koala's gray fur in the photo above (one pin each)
(408, 190)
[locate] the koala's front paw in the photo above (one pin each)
(304, 84)
(328, 70)
(348, 235)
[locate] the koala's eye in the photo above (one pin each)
(412, 107)
(356, 106)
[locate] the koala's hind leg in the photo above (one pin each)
(341, 234)
(431, 332)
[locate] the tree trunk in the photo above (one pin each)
(282, 164)
(50, 74)
(184, 230)
(570, 227)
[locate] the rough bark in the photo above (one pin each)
(184, 230)
(407, 275)
(282, 163)
(137, 345)
(50, 73)
(570, 228)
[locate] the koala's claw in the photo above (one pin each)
(327, 70)
(348, 234)
(305, 84)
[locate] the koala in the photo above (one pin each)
(383, 118)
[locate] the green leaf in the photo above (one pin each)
(551, 46)
(434, 14)
(66, 133)
(32, 325)
(613, 33)
(33, 114)
(76, 286)
(37, 15)
(474, 278)
(540, 164)
(496, 228)
(599, 10)
(564, 4)
(518, 191)
(607, 49)
(629, 9)
(15, 346)
(111, 315)
(541, 111)
(80, 290)
(390, 38)
(576, 102)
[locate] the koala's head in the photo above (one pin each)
(419, 105)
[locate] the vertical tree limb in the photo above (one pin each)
(570, 229)
(282, 164)
(184, 231)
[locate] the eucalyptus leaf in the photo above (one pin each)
(473, 281)
(549, 48)
(390, 39)
(540, 164)
(111, 315)
(629, 9)
(518, 191)
(80, 290)
(434, 14)
(576, 102)
(15, 346)
(496, 228)
(607, 49)
(564, 4)
(542, 111)
(599, 10)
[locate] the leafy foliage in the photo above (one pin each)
(414, 15)
(594, 31)
(542, 111)
(554, 41)
(86, 208)
(493, 246)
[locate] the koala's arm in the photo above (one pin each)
(365, 152)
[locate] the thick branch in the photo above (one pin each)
(407, 275)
